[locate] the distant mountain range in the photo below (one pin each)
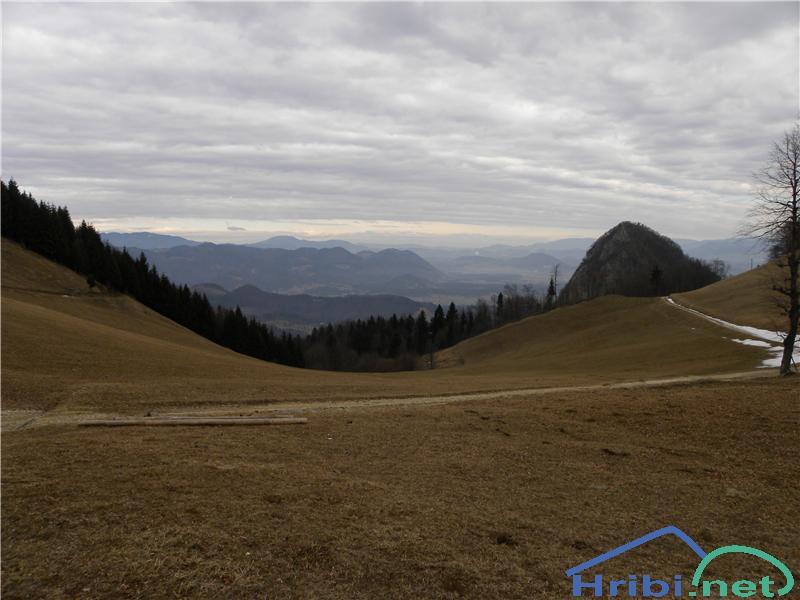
(535, 267)
(288, 242)
(301, 312)
(326, 271)
(146, 240)
(291, 265)
(151, 241)
(738, 252)
(741, 254)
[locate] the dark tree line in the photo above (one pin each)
(375, 344)
(49, 231)
(390, 344)
(406, 342)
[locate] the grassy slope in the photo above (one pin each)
(66, 345)
(62, 341)
(629, 337)
(746, 299)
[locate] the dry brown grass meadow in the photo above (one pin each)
(485, 498)
(745, 299)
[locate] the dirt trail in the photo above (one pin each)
(513, 393)
(288, 409)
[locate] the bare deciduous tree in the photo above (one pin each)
(555, 278)
(776, 220)
(720, 267)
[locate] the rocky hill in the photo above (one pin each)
(633, 260)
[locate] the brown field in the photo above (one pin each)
(488, 497)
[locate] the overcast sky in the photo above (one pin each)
(388, 121)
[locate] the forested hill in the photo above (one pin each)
(49, 231)
(375, 343)
(633, 260)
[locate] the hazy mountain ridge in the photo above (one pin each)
(534, 261)
(736, 251)
(146, 240)
(289, 242)
(290, 265)
(300, 312)
(741, 254)
(326, 271)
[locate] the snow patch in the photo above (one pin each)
(772, 340)
(758, 343)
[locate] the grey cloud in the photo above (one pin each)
(558, 115)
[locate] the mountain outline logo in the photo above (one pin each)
(742, 588)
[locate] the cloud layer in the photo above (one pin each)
(503, 117)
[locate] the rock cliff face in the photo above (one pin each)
(633, 260)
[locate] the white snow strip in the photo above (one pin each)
(773, 361)
(774, 338)
(758, 343)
